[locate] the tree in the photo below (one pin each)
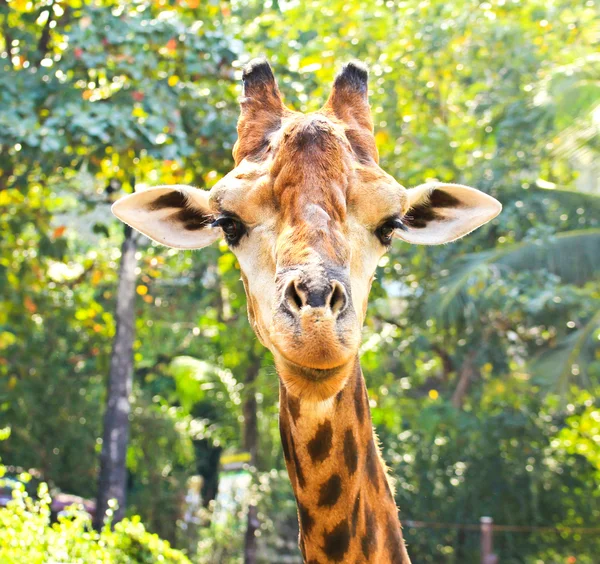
(112, 100)
(112, 482)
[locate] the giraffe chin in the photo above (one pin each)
(313, 369)
(312, 384)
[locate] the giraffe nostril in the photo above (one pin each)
(338, 299)
(294, 296)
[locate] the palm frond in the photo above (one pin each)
(571, 200)
(573, 256)
(572, 89)
(196, 380)
(579, 139)
(573, 92)
(569, 359)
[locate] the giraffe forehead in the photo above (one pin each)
(311, 176)
(310, 169)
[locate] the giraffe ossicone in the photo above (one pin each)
(308, 213)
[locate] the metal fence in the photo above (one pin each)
(486, 528)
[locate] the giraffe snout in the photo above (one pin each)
(314, 323)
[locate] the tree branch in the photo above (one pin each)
(447, 362)
(468, 373)
(6, 31)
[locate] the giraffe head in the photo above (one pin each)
(308, 213)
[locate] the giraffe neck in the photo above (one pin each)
(346, 509)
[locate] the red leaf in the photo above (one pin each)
(59, 231)
(29, 305)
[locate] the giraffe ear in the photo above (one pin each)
(441, 213)
(175, 216)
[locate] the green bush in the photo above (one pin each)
(27, 536)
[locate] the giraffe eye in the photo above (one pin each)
(233, 228)
(386, 230)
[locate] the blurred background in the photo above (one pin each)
(482, 357)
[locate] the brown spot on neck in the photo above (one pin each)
(368, 542)
(330, 491)
(319, 446)
(294, 407)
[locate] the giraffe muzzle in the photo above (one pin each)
(314, 323)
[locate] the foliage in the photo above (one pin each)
(482, 357)
(28, 536)
(520, 438)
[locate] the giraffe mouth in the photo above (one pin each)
(312, 384)
(310, 373)
(315, 342)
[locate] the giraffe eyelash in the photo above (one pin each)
(386, 230)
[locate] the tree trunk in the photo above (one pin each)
(113, 472)
(467, 374)
(251, 446)
(447, 364)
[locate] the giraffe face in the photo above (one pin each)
(308, 224)
(308, 213)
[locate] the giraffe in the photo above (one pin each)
(309, 213)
